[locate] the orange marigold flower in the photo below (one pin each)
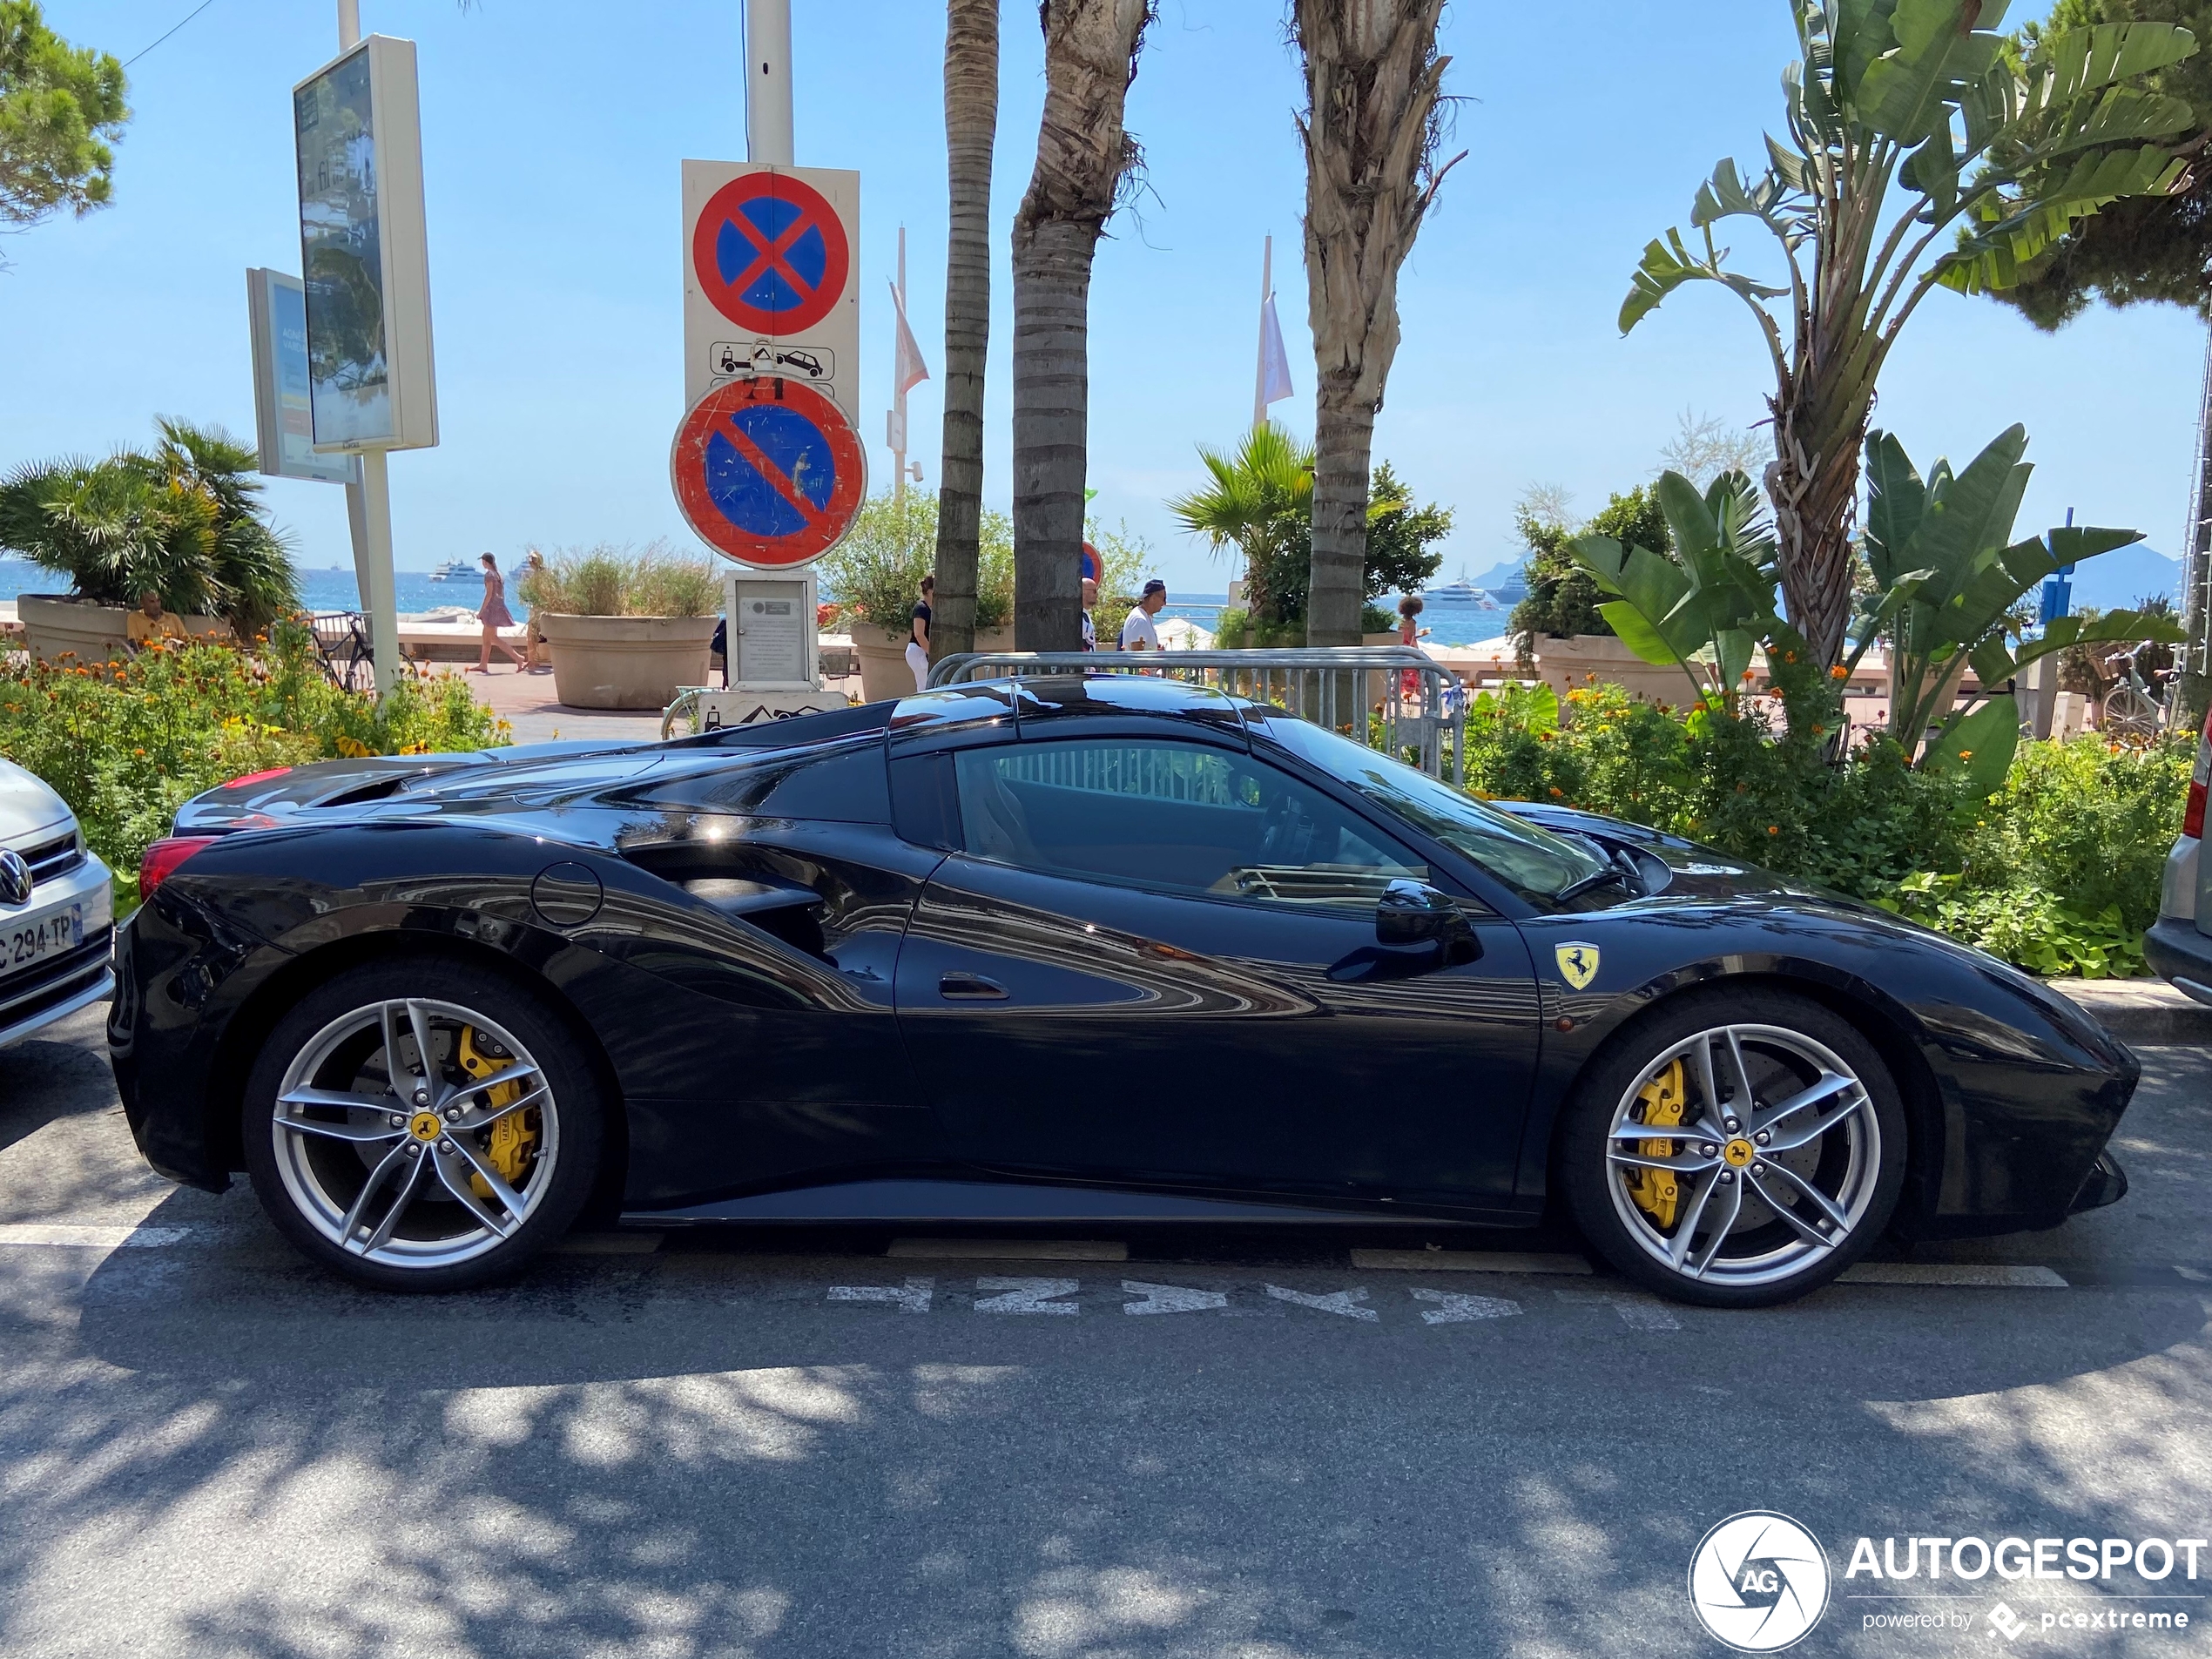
(1773, 829)
(1820, 732)
(1557, 791)
(1966, 754)
(1839, 672)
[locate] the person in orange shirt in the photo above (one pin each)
(149, 622)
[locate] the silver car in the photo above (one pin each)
(57, 910)
(2179, 947)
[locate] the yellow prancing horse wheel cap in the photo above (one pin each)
(425, 1126)
(1738, 1152)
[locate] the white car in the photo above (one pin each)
(2179, 945)
(57, 910)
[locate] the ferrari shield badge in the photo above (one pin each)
(1577, 964)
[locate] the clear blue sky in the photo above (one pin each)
(553, 132)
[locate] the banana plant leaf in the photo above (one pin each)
(1994, 662)
(1978, 745)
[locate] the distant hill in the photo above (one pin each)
(2116, 580)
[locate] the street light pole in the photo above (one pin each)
(767, 97)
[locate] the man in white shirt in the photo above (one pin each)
(1090, 628)
(1138, 633)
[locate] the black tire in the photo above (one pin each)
(292, 1186)
(1865, 1149)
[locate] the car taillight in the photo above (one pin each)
(257, 777)
(2193, 819)
(162, 858)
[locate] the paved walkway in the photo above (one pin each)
(527, 703)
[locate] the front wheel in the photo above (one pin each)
(421, 1125)
(1738, 1151)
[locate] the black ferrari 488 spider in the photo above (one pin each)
(1105, 949)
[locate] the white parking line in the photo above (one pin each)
(1467, 1261)
(1341, 1302)
(1452, 1307)
(1171, 1299)
(75, 1237)
(1982, 1275)
(911, 1297)
(1010, 1250)
(1638, 1310)
(1027, 1296)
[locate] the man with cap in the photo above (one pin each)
(1138, 632)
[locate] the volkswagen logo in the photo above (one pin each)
(1758, 1581)
(15, 877)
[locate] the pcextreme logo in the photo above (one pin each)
(1758, 1581)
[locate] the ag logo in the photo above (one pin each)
(1577, 963)
(1758, 1581)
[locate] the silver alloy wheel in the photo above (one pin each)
(1774, 1159)
(383, 1156)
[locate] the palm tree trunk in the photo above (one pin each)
(1370, 133)
(1083, 157)
(971, 125)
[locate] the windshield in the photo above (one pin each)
(1534, 862)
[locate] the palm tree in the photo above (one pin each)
(1372, 126)
(1084, 160)
(971, 125)
(1260, 502)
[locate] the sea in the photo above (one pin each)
(334, 589)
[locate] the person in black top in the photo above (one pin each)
(918, 643)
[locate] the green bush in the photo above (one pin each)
(2058, 871)
(607, 581)
(185, 522)
(1563, 597)
(126, 744)
(876, 571)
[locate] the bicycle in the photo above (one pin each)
(2138, 709)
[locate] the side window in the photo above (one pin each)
(1171, 815)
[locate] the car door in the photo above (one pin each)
(1155, 959)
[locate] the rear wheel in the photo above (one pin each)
(1736, 1151)
(421, 1125)
(2129, 717)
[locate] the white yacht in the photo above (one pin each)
(1455, 593)
(453, 571)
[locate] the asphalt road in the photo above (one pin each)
(1252, 1445)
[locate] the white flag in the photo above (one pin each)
(911, 370)
(1274, 362)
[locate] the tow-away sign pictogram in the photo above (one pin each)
(770, 472)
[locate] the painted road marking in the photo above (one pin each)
(1027, 1296)
(911, 1297)
(74, 1237)
(1169, 1299)
(1980, 1275)
(1467, 1261)
(1452, 1307)
(1335, 1302)
(1638, 1310)
(1010, 1250)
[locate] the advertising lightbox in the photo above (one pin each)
(364, 251)
(277, 312)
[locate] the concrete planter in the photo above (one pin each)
(625, 661)
(884, 674)
(55, 625)
(1565, 664)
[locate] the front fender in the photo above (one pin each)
(2017, 1090)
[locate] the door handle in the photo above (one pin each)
(969, 988)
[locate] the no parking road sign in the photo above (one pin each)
(768, 472)
(770, 255)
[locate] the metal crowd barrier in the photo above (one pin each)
(1392, 697)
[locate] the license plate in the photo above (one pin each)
(25, 944)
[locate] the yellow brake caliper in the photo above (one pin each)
(1656, 1191)
(513, 1137)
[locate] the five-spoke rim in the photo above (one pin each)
(398, 1161)
(1774, 1157)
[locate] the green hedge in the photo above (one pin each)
(2058, 871)
(126, 744)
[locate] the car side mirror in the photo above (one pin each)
(1413, 913)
